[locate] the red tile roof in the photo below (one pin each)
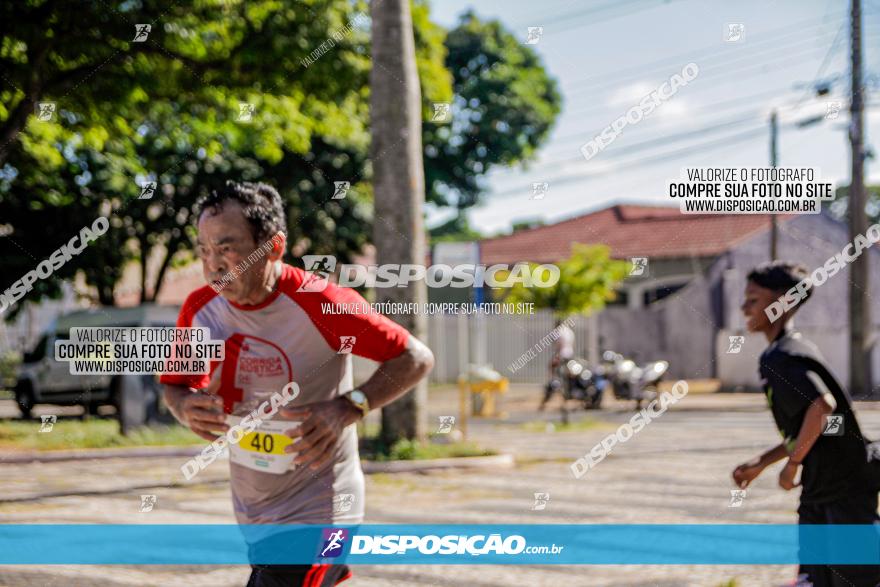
(630, 231)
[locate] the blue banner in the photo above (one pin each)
(568, 544)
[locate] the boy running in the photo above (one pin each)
(815, 418)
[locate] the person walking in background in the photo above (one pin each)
(563, 350)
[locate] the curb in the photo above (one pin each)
(17, 458)
(20, 457)
(504, 461)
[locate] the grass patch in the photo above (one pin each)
(409, 450)
(552, 427)
(92, 433)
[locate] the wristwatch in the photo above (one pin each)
(358, 399)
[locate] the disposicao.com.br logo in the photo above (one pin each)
(450, 544)
(320, 267)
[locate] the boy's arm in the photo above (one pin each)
(747, 472)
(811, 429)
(774, 455)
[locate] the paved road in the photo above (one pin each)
(675, 470)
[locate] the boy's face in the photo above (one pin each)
(757, 299)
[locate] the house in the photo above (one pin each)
(678, 247)
(685, 306)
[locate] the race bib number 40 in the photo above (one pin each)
(263, 449)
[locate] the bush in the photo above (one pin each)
(9, 363)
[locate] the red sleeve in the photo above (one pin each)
(194, 302)
(375, 336)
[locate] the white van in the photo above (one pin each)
(43, 380)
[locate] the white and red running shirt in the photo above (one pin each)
(288, 338)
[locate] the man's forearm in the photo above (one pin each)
(394, 377)
(172, 394)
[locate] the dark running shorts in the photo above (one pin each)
(849, 509)
(298, 575)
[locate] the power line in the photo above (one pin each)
(713, 107)
(658, 158)
(724, 69)
(797, 29)
(721, 105)
(659, 140)
(571, 16)
(625, 152)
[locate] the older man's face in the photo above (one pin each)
(225, 241)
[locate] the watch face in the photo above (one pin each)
(358, 396)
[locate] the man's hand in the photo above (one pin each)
(321, 424)
(786, 476)
(201, 412)
(747, 472)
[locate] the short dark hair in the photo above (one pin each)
(260, 202)
(780, 276)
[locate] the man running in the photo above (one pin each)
(819, 429)
(276, 333)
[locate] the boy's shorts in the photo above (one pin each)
(298, 575)
(860, 508)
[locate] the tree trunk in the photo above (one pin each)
(172, 246)
(144, 256)
(398, 185)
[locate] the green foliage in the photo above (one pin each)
(542, 427)
(166, 110)
(91, 433)
(587, 281)
(527, 224)
(9, 362)
(456, 229)
(505, 105)
(414, 450)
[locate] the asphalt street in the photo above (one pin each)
(676, 470)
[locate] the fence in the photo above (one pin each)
(500, 341)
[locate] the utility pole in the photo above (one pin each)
(774, 228)
(399, 187)
(860, 325)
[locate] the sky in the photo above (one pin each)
(607, 54)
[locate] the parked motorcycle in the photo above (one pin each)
(631, 381)
(583, 384)
(576, 381)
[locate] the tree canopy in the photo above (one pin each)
(587, 281)
(220, 90)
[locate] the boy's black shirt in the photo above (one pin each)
(835, 465)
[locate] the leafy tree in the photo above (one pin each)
(170, 114)
(505, 105)
(587, 280)
(455, 229)
(527, 224)
(167, 110)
